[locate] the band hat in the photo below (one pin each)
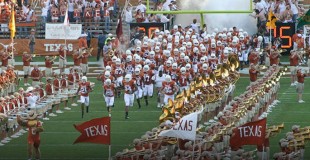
(295, 127)
(29, 89)
(32, 115)
(83, 35)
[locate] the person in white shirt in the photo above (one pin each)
(31, 97)
(164, 19)
(195, 26)
(282, 7)
(294, 9)
(142, 8)
(166, 6)
(128, 15)
(70, 10)
(159, 78)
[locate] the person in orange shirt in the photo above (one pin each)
(84, 90)
(36, 75)
(169, 88)
(130, 88)
(82, 42)
(253, 72)
(48, 66)
(84, 62)
(35, 128)
(26, 67)
(109, 89)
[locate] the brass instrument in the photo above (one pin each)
(88, 51)
(53, 58)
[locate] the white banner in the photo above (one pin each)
(59, 31)
(184, 129)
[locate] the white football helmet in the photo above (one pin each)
(108, 68)
(205, 66)
(168, 63)
(128, 58)
(146, 68)
(174, 66)
(118, 61)
(183, 70)
(168, 78)
(84, 78)
(107, 74)
(108, 81)
(137, 71)
(128, 77)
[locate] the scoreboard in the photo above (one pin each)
(285, 31)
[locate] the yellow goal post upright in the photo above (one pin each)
(201, 12)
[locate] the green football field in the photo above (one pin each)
(59, 135)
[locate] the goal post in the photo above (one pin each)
(201, 12)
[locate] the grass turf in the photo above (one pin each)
(59, 135)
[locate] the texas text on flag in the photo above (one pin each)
(252, 133)
(184, 129)
(94, 131)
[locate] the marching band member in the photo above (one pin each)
(294, 59)
(84, 90)
(274, 57)
(169, 88)
(64, 88)
(26, 67)
(108, 94)
(71, 85)
(5, 82)
(254, 57)
(48, 66)
(5, 60)
(300, 85)
(56, 90)
(130, 88)
(148, 79)
(77, 60)
(12, 77)
(62, 57)
(253, 73)
(36, 75)
(49, 89)
(84, 62)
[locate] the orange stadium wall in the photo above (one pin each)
(48, 46)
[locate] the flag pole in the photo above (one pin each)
(193, 154)
(263, 152)
(110, 147)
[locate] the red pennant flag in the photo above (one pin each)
(94, 131)
(252, 133)
(119, 29)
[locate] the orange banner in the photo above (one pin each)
(47, 46)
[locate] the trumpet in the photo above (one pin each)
(53, 59)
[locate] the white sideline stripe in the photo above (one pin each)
(293, 93)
